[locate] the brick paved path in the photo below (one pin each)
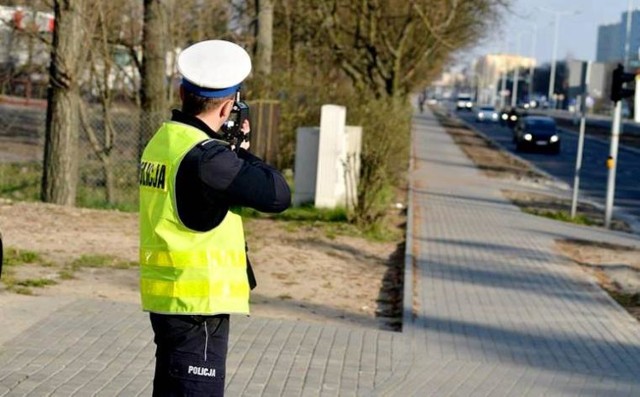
(500, 313)
(491, 310)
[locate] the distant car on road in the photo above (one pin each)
(509, 117)
(464, 102)
(487, 113)
(537, 133)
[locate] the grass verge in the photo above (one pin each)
(558, 208)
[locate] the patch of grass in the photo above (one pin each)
(563, 216)
(21, 290)
(66, 274)
(101, 261)
(15, 257)
(383, 232)
(8, 277)
(21, 181)
(94, 197)
(24, 286)
(559, 208)
(305, 213)
(35, 282)
(625, 299)
(332, 222)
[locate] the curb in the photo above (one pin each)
(408, 326)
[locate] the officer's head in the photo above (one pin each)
(212, 73)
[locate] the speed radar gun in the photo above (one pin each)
(231, 129)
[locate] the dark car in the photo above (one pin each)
(509, 117)
(537, 133)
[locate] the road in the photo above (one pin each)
(629, 126)
(593, 181)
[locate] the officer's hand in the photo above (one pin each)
(246, 129)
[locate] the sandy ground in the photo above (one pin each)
(615, 268)
(302, 273)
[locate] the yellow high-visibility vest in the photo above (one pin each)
(183, 271)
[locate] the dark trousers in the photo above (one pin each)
(191, 354)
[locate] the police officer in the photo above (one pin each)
(194, 270)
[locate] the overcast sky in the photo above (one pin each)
(577, 29)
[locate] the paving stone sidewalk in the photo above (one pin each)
(499, 312)
(490, 310)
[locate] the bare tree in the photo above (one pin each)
(60, 172)
(387, 47)
(105, 78)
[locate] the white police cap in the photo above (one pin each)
(213, 68)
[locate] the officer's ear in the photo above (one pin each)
(225, 109)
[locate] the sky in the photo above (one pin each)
(577, 28)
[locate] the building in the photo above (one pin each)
(446, 84)
(613, 37)
(610, 43)
(494, 69)
(634, 36)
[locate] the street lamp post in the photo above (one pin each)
(503, 75)
(552, 76)
(516, 72)
(533, 56)
(627, 41)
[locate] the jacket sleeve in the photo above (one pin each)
(243, 179)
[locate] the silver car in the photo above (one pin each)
(487, 113)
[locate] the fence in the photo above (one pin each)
(265, 117)
(108, 152)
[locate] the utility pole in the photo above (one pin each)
(552, 77)
(627, 40)
(586, 73)
(533, 56)
(503, 83)
(516, 73)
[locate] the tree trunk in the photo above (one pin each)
(152, 88)
(264, 41)
(60, 174)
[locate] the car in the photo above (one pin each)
(486, 113)
(464, 102)
(535, 133)
(509, 117)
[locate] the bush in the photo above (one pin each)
(385, 156)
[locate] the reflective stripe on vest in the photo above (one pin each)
(183, 271)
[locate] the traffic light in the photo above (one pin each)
(619, 79)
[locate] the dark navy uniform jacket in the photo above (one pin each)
(212, 178)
